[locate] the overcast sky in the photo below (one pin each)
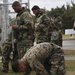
(48, 4)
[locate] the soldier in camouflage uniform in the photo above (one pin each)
(22, 33)
(74, 25)
(24, 28)
(41, 24)
(44, 59)
(55, 30)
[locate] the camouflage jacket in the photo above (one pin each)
(25, 26)
(41, 26)
(56, 23)
(40, 52)
(74, 25)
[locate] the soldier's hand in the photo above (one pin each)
(14, 26)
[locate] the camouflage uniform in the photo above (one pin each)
(24, 32)
(74, 25)
(23, 38)
(45, 59)
(41, 27)
(55, 30)
(6, 49)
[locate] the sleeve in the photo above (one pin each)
(27, 21)
(46, 20)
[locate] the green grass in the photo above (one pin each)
(69, 37)
(12, 73)
(70, 73)
(70, 69)
(70, 65)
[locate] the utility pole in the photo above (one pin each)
(2, 24)
(6, 17)
(28, 4)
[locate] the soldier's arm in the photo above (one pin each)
(45, 20)
(28, 21)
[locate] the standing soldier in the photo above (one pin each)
(22, 32)
(24, 28)
(74, 25)
(55, 30)
(41, 25)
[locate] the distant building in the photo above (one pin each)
(69, 31)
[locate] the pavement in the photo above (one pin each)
(69, 57)
(68, 45)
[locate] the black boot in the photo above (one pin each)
(4, 70)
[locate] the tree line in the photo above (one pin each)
(67, 13)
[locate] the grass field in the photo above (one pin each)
(70, 69)
(69, 37)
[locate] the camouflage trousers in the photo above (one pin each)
(6, 51)
(56, 37)
(23, 46)
(60, 39)
(18, 52)
(57, 65)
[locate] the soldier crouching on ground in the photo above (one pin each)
(43, 58)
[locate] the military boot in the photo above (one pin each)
(3, 70)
